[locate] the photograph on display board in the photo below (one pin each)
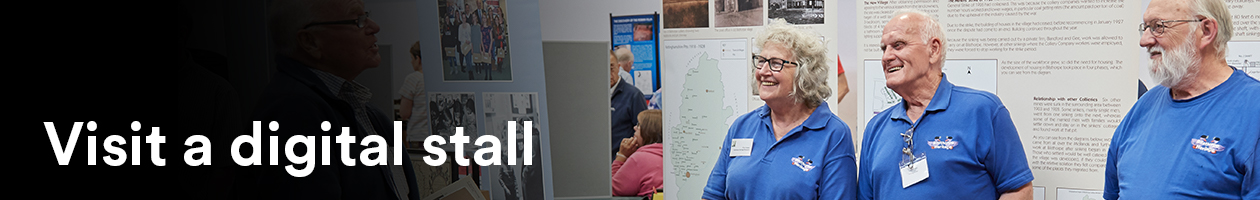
(451, 110)
(729, 13)
(686, 13)
(797, 11)
(474, 40)
(515, 181)
(643, 31)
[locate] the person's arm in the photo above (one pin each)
(404, 108)
(1005, 160)
(839, 175)
(618, 178)
(1023, 193)
(627, 174)
(865, 191)
(628, 146)
(1111, 177)
(715, 189)
(639, 105)
(1251, 180)
(405, 95)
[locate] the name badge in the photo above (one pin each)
(915, 171)
(741, 147)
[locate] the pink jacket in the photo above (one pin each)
(640, 174)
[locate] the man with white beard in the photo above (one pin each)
(1195, 135)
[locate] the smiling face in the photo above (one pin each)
(776, 86)
(907, 59)
(1173, 54)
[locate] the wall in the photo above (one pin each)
(584, 116)
(580, 20)
(399, 21)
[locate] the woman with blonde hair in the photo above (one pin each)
(793, 147)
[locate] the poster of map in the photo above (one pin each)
(705, 87)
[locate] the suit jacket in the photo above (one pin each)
(299, 101)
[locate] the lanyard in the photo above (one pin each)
(907, 151)
(908, 137)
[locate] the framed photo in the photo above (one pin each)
(475, 45)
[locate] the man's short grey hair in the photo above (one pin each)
(623, 53)
(928, 29)
(1215, 9)
(810, 51)
(285, 18)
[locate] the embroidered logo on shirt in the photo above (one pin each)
(948, 143)
(804, 164)
(1210, 146)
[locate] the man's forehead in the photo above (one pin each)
(902, 24)
(897, 29)
(1164, 9)
(340, 7)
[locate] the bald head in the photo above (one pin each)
(625, 57)
(917, 22)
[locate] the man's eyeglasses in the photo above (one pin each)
(775, 63)
(1158, 27)
(360, 22)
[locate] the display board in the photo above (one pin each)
(639, 34)
(700, 73)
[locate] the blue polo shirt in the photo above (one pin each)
(1199, 148)
(812, 161)
(978, 154)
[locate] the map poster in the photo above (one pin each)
(702, 73)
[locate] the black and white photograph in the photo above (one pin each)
(730, 13)
(450, 110)
(517, 181)
(797, 11)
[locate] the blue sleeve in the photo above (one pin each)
(865, 191)
(716, 188)
(1111, 184)
(1251, 180)
(1007, 163)
(840, 176)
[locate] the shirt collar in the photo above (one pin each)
(816, 120)
(360, 94)
(613, 90)
(939, 102)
